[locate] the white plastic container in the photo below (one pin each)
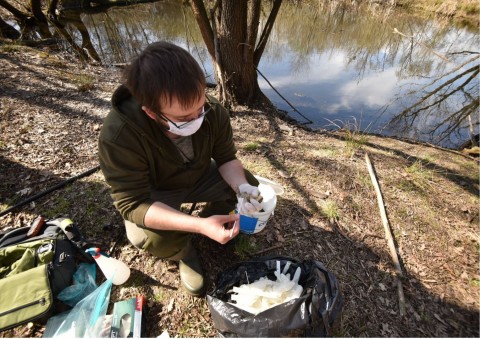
(276, 186)
(257, 221)
(112, 268)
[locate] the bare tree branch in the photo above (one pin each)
(41, 19)
(410, 111)
(18, 14)
(421, 43)
(253, 23)
(266, 32)
(454, 120)
(200, 13)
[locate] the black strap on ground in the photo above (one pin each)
(50, 190)
(288, 102)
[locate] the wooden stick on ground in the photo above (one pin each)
(388, 235)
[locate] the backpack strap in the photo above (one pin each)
(14, 236)
(50, 228)
(21, 234)
(70, 230)
(73, 234)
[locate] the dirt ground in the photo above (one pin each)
(52, 110)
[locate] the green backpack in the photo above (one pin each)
(34, 268)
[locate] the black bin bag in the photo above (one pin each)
(313, 314)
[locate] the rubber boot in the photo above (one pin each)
(191, 273)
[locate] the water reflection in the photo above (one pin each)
(333, 64)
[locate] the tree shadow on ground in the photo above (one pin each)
(365, 271)
(85, 202)
(366, 278)
(466, 183)
(65, 99)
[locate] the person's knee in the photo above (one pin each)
(166, 244)
(161, 244)
(135, 234)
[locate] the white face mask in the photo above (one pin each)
(192, 127)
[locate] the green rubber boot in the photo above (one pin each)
(191, 273)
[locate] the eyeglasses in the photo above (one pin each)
(185, 124)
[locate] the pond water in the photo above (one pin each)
(335, 67)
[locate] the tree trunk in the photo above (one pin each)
(87, 45)
(52, 8)
(29, 22)
(7, 31)
(230, 35)
(241, 83)
(19, 15)
(42, 21)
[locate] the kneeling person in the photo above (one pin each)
(165, 143)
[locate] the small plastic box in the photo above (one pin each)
(127, 319)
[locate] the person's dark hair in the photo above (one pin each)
(164, 71)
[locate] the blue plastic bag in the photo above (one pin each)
(83, 284)
(85, 320)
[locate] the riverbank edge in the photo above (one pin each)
(464, 12)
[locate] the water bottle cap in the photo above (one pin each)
(94, 252)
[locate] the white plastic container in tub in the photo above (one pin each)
(276, 187)
(257, 221)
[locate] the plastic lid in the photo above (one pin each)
(276, 187)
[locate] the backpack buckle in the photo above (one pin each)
(45, 248)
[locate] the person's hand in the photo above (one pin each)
(214, 227)
(249, 190)
(249, 200)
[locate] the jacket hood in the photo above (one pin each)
(130, 112)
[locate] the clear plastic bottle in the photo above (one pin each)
(112, 268)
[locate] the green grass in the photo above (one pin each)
(251, 146)
(11, 47)
(62, 206)
(93, 198)
(331, 210)
(406, 185)
(365, 180)
(429, 159)
(184, 330)
(471, 9)
(244, 247)
(419, 171)
(320, 152)
(402, 213)
(160, 296)
(355, 138)
(421, 176)
(355, 141)
(3, 207)
(84, 82)
(474, 170)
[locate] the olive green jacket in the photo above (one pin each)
(136, 157)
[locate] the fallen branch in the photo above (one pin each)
(337, 228)
(423, 44)
(388, 235)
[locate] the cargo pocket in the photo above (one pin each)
(25, 297)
